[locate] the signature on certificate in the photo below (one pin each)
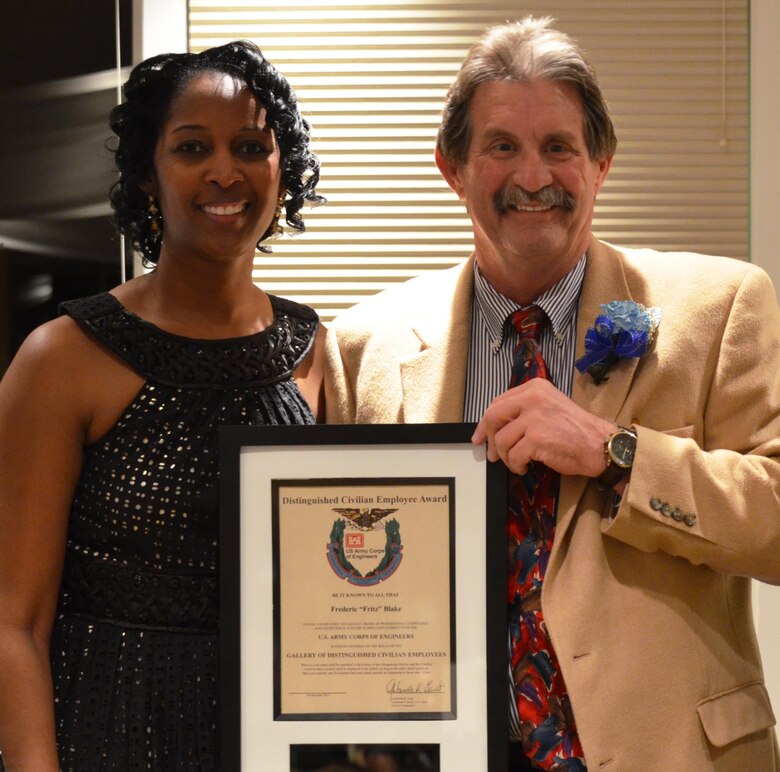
(397, 686)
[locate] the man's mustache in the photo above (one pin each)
(512, 196)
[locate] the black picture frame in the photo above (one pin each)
(355, 449)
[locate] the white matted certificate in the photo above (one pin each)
(357, 603)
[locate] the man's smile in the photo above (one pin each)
(515, 198)
(528, 208)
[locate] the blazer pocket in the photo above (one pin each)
(736, 713)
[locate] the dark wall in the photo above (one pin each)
(43, 41)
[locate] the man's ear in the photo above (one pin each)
(450, 173)
(603, 170)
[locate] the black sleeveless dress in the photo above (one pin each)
(134, 648)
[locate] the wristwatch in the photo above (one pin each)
(619, 449)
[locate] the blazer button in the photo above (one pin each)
(690, 519)
(656, 503)
(677, 515)
(666, 509)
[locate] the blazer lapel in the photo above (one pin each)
(433, 380)
(605, 280)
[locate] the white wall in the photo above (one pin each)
(159, 27)
(765, 248)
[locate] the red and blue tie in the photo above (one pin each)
(548, 731)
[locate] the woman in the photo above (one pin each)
(108, 426)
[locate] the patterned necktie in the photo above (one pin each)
(547, 728)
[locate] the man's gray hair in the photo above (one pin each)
(524, 51)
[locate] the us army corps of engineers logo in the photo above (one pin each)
(365, 548)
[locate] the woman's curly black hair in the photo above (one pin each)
(137, 122)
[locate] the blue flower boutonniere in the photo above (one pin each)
(625, 330)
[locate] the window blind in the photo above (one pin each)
(371, 79)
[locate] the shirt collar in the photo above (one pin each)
(559, 302)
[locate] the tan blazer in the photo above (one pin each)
(650, 615)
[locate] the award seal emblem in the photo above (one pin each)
(355, 550)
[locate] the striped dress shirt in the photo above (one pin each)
(493, 338)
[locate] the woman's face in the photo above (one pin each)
(216, 171)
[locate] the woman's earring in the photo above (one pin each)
(155, 218)
(277, 229)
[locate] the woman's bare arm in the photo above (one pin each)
(61, 391)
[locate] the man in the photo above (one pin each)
(632, 645)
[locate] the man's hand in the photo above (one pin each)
(536, 422)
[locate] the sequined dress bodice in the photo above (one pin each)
(134, 648)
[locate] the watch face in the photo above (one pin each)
(621, 448)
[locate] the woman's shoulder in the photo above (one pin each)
(50, 368)
(71, 376)
(62, 353)
(60, 339)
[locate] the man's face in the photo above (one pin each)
(528, 182)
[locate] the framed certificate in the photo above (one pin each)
(362, 607)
